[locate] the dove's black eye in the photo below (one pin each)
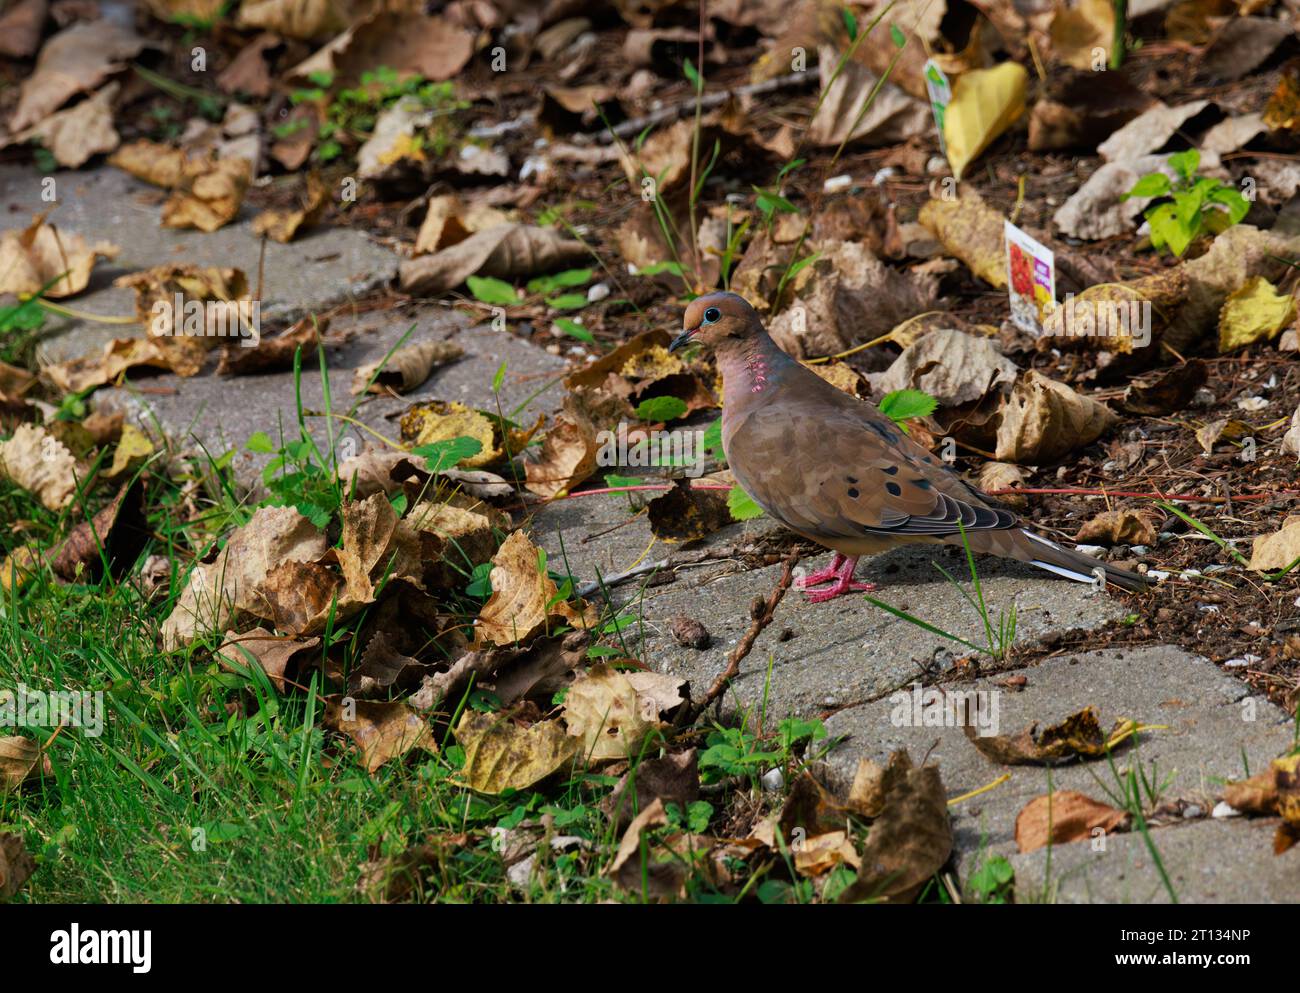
(712, 314)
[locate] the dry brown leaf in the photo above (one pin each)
(213, 593)
(21, 27)
(1044, 420)
(16, 865)
(406, 368)
(21, 759)
(657, 878)
(1003, 476)
(151, 162)
(36, 461)
(33, 257)
(248, 72)
(74, 135)
(215, 307)
(971, 231)
(910, 839)
(447, 222)
(1277, 550)
(299, 598)
(282, 225)
(568, 455)
(302, 19)
(1079, 734)
(686, 513)
(1119, 527)
(821, 853)
(1222, 429)
(274, 654)
(14, 382)
(524, 597)
(117, 533)
(382, 731)
(506, 251)
(382, 666)
(672, 778)
(209, 194)
(604, 711)
(274, 354)
(500, 755)
(119, 355)
(1071, 816)
(468, 528)
(951, 366)
(378, 470)
(76, 60)
(854, 106)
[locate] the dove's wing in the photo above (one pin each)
(840, 469)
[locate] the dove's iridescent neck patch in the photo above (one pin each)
(757, 369)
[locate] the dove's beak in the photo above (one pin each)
(682, 339)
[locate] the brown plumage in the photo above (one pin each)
(839, 472)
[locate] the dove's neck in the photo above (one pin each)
(751, 368)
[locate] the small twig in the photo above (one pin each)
(762, 614)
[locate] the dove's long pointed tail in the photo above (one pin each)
(1062, 561)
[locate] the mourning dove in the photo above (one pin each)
(839, 472)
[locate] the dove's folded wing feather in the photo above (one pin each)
(841, 470)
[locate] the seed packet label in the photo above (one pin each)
(936, 84)
(1031, 280)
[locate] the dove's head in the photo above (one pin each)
(717, 319)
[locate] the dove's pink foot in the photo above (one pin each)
(841, 571)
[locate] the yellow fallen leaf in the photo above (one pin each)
(133, 447)
(1077, 32)
(524, 597)
(426, 423)
(985, 102)
(500, 755)
(18, 568)
(604, 711)
(970, 230)
(1255, 312)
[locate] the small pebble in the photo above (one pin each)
(1139, 549)
(1222, 809)
(937, 165)
(773, 780)
(1093, 550)
(1252, 404)
(1157, 575)
(889, 172)
(1192, 810)
(690, 633)
(597, 292)
(837, 184)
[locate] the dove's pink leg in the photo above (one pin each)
(841, 571)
